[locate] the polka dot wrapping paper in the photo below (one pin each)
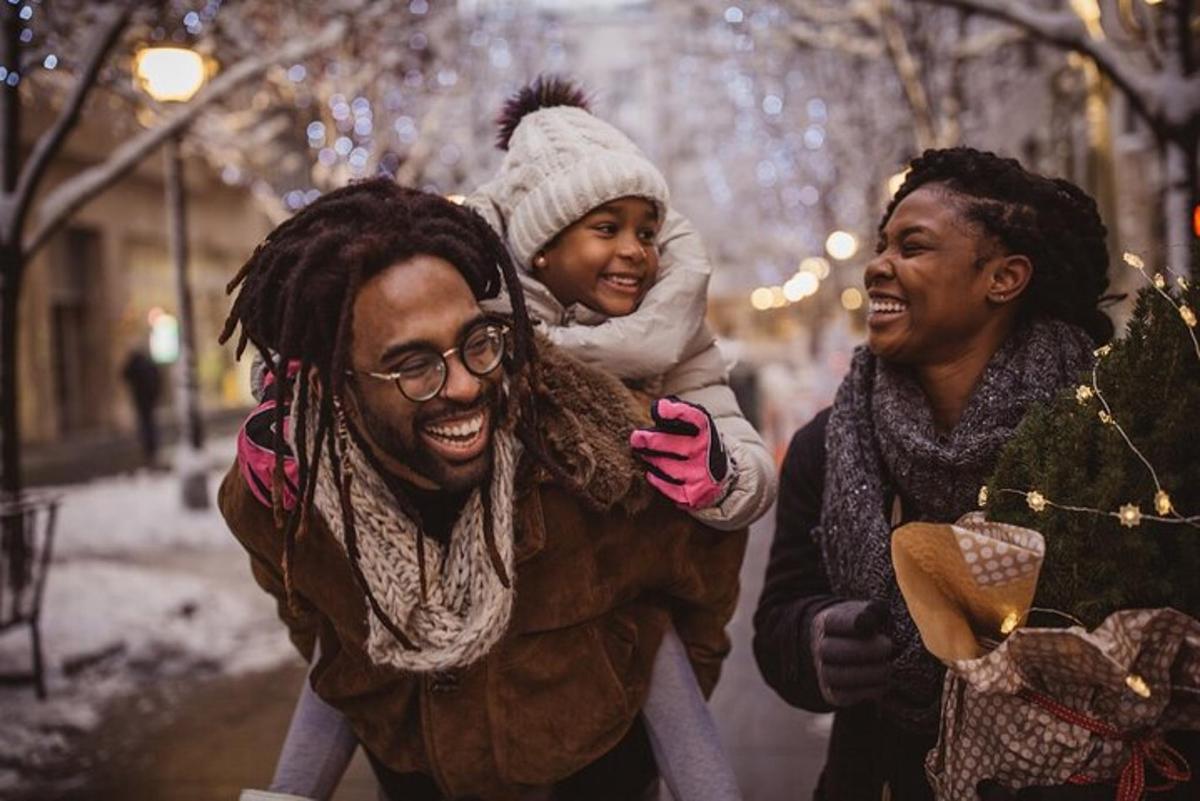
(1037, 706)
(991, 729)
(968, 582)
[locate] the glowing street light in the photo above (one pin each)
(174, 75)
(841, 245)
(852, 299)
(169, 74)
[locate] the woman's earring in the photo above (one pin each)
(539, 261)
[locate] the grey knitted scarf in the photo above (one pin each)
(881, 442)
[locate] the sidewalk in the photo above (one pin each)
(93, 454)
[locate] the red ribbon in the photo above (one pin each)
(1145, 747)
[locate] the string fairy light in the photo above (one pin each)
(1159, 283)
(1129, 515)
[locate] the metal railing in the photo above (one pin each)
(26, 543)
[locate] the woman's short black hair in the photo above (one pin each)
(1050, 221)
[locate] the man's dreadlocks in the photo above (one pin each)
(296, 303)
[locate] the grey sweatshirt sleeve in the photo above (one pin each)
(318, 747)
(683, 735)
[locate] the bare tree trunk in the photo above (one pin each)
(11, 265)
(1179, 146)
(12, 262)
(1099, 166)
(191, 439)
(1178, 196)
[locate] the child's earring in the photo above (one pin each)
(539, 261)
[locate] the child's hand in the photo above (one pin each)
(683, 452)
(256, 445)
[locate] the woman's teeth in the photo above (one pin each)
(458, 431)
(887, 306)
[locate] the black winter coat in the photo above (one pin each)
(865, 749)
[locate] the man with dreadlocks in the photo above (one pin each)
(474, 566)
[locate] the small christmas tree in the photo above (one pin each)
(1110, 472)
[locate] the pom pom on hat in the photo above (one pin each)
(546, 91)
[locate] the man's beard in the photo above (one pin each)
(408, 448)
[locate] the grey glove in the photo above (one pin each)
(851, 654)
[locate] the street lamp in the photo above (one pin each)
(174, 75)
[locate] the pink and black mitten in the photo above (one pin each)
(685, 458)
(256, 444)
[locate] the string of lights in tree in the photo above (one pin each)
(1130, 514)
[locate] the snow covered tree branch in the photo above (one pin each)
(1159, 80)
(1065, 29)
(87, 35)
(112, 21)
(66, 199)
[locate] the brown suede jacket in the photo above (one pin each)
(595, 590)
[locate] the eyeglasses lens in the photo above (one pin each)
(481, 352)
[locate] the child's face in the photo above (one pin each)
(606, 259)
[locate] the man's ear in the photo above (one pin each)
(1010, 275)
(350, 404)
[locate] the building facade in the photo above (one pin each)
(91, 294)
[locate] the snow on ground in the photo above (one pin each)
(139, 590)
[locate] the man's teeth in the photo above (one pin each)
(885, 306)
(463, 429)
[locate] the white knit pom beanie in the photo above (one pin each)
(562, 162)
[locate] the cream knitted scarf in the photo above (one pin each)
(467, 605)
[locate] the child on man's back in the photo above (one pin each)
(620, 281)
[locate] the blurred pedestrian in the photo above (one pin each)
(984, 299)
(144, 379)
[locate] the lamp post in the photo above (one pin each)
(174, 75)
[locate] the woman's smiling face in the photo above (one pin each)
(929, 281)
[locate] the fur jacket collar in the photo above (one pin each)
(584, 419)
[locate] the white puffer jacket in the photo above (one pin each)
(663, 348)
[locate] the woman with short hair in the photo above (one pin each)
(985, 294)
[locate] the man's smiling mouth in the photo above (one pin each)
(458, 438)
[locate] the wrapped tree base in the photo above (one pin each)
(1059, 706)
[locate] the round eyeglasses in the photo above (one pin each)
(423, 372)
